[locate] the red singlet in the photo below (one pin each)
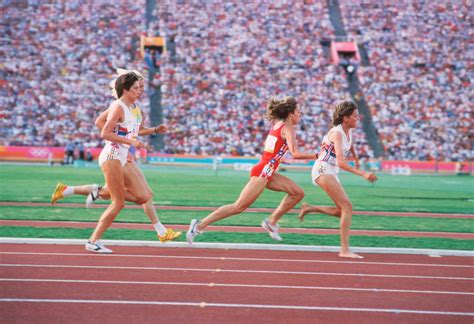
(275, 149)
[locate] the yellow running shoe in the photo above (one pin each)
(58, 192)
(169, 235)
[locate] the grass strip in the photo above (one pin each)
(359, 222)
(202, 187)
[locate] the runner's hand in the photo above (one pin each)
(161, 129)
(371, 177)
(130, 157)
(137, 143)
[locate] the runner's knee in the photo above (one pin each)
(118, 204)
(143, 198)
(345, 205)
(240, 207)
(297, 193)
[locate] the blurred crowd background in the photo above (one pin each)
(228, 58)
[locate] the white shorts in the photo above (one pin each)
(320, 168)
(111, 152)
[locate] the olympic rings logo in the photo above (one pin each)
(39, 152)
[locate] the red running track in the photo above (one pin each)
(63, 283)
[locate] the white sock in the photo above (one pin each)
(68, 191)
(160, 229)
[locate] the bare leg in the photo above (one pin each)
(137, 190)
(336, 192)
(83, 190)
(113, 173)
(104, 194)
(294, 196)
(328, 210)
(249, 194)
(138, 186)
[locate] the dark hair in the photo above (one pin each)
(125, 82)
(343, 109)
(279, 109)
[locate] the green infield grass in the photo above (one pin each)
(174, 186)
(202, 187)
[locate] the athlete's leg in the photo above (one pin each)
(138, 187)
(130, 196)
(294, 195)
(63, 190)
(335, 191)
(328, 210)
(252, 190)
(135, 185)
(148, 206)
(113, 173)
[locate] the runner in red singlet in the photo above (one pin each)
(284, 115)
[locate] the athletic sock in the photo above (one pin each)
(68, 191)
(160, 229)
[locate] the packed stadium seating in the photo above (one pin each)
(230, 58)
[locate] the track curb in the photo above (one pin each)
(242, 246)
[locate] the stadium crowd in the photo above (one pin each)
(230, 58)
(419, 82)
(57, 70)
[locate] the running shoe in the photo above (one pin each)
(169, 235)
(97, 247)
(93, 195)
(193, 231)
(271, 229)
(58, 192)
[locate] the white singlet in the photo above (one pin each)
(127, 129)
(326, 162)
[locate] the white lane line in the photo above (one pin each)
(205, 304)
(212, 284)
(234, 271)
(241, 259)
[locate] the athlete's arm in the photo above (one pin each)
(356, 158)
(115, 116)
(336, 138)
(289, 134)
(100, 121)
(161, 129)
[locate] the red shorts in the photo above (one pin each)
(264, 169)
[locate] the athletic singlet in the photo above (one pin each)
(137, 115)
(328, 152)
(126, 129)
(274, 150)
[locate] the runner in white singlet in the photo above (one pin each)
(127, 129)
(327, 162)
(335, 147)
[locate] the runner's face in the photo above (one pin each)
(353, 119)
(296, 115)
(134, 92)
(141, 84)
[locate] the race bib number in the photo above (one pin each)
(270, 143)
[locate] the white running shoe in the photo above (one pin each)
(97, 247)
(193, 231)
(93, 195)
(272, 230)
